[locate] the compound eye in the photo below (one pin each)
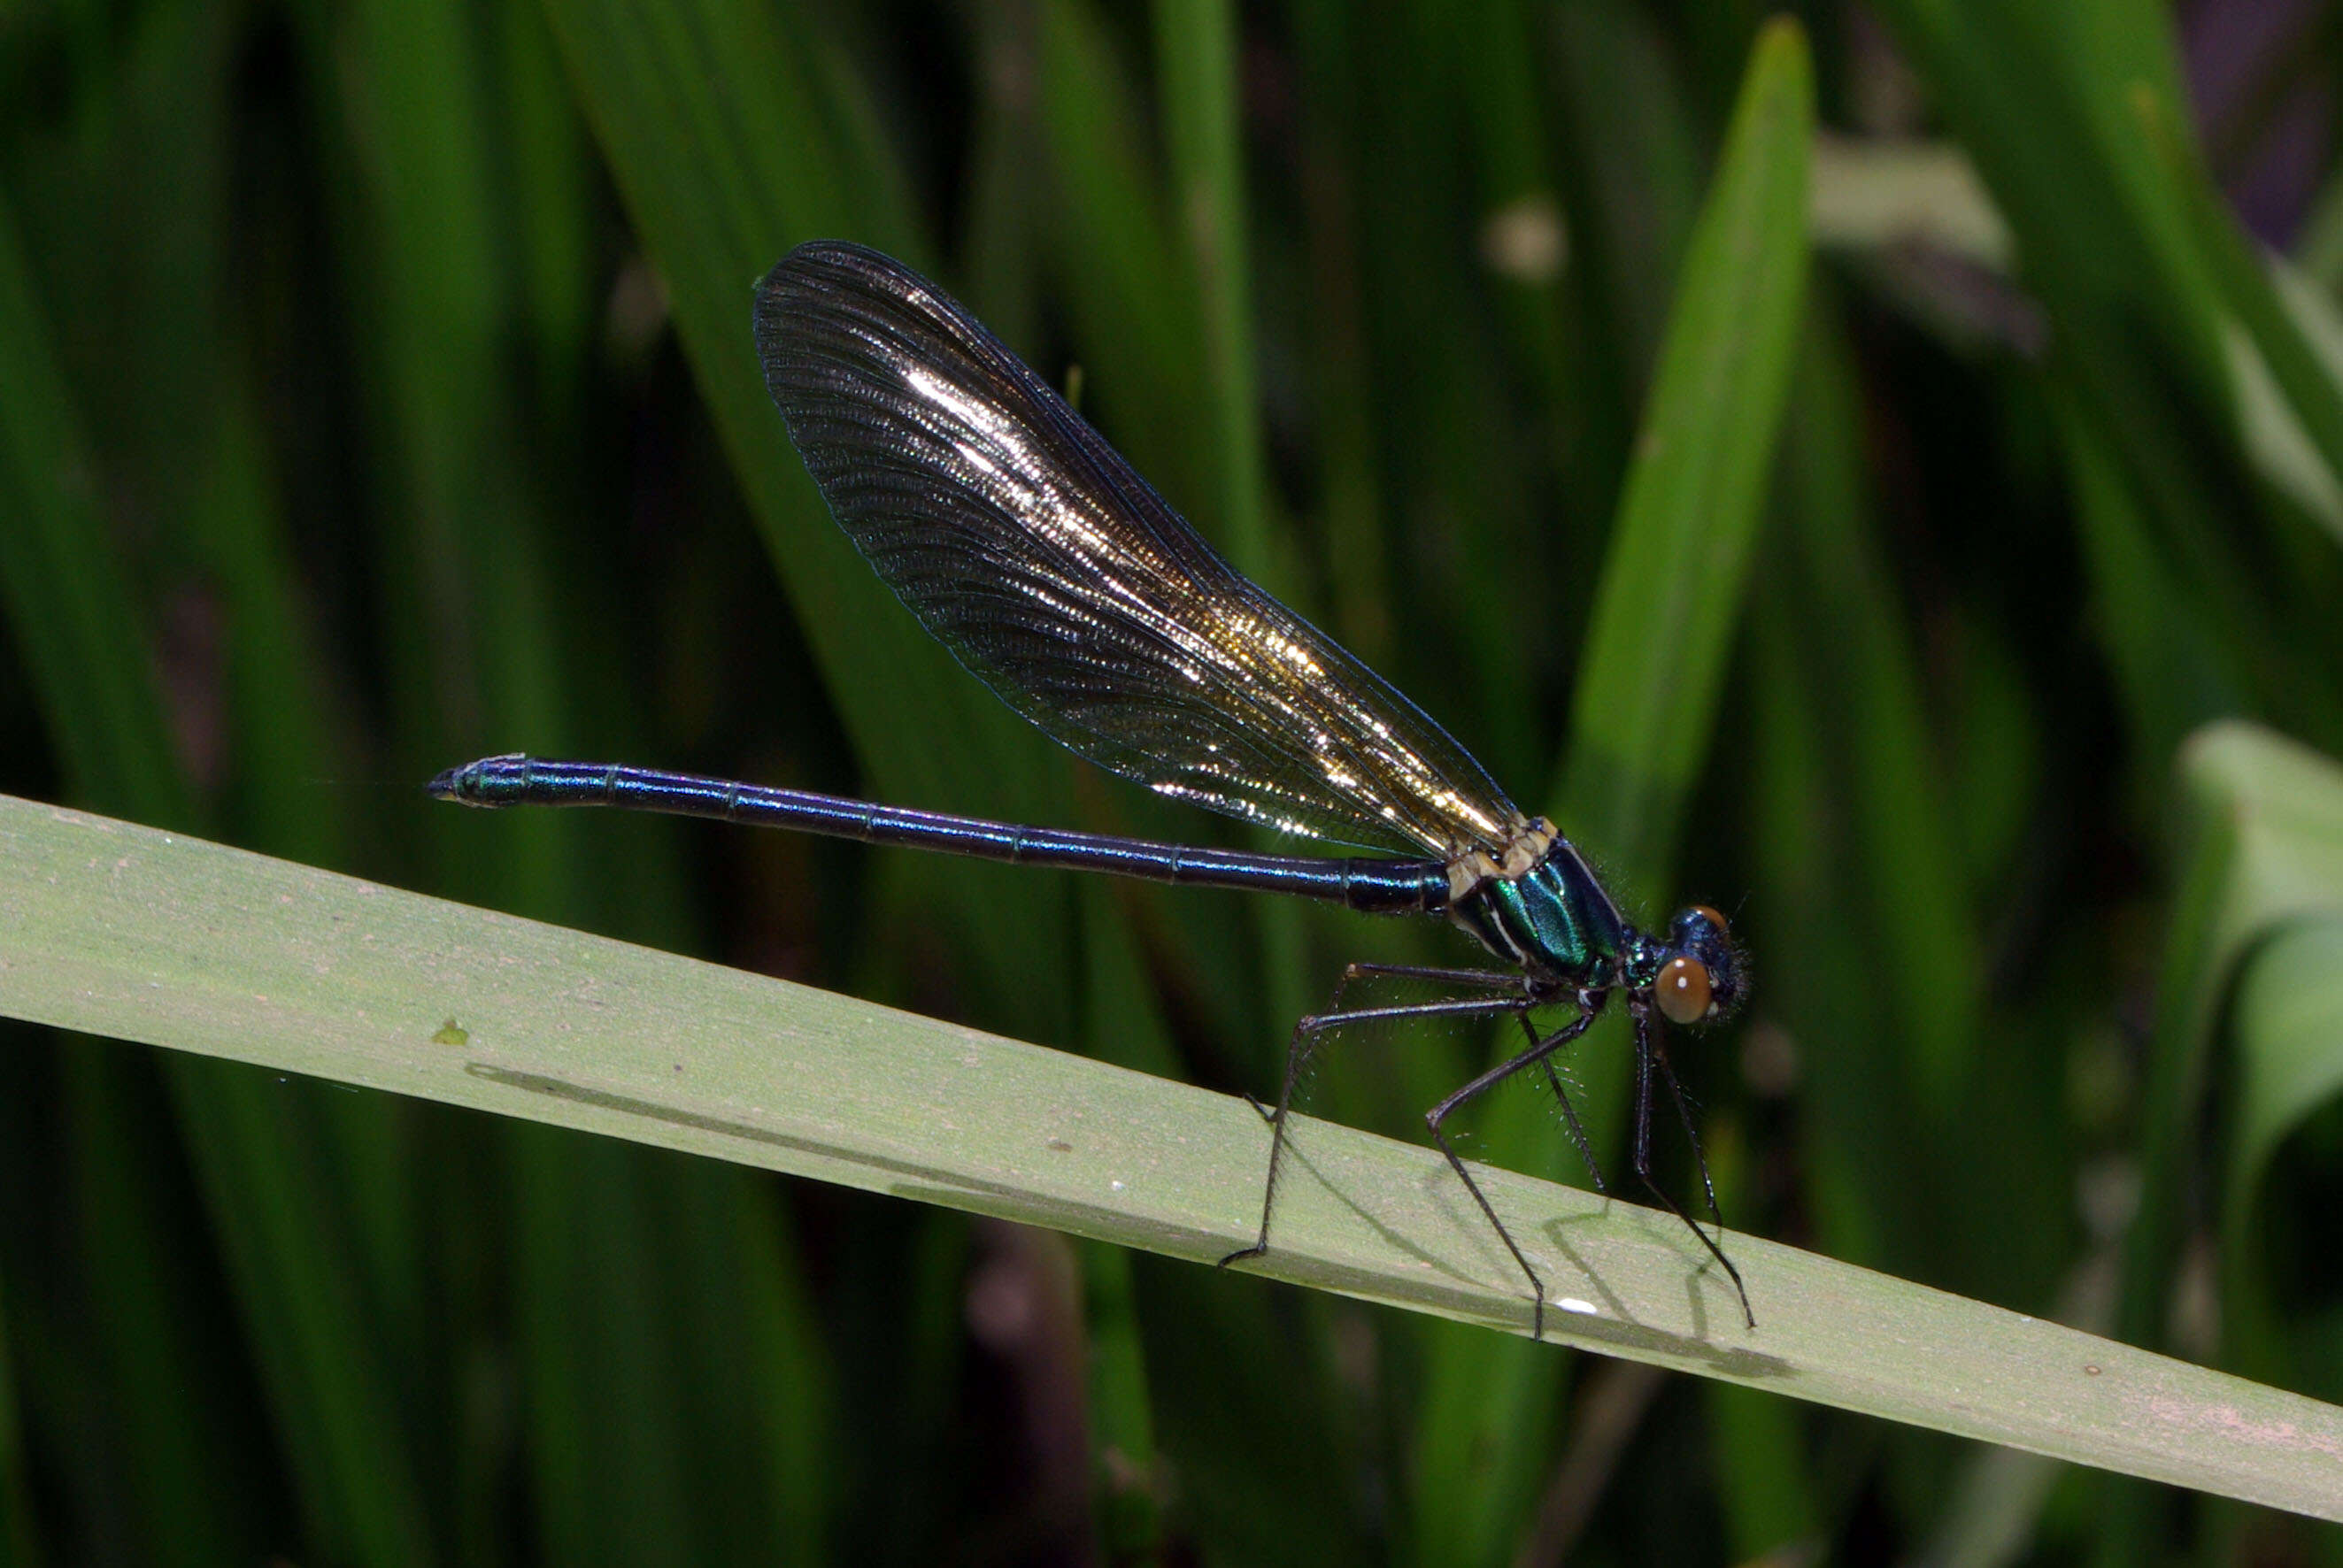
(1713, 918)
(1682, 991)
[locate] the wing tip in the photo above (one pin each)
(817, 263)
(828, 281)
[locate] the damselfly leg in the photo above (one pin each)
(1511, 995)
(1650, 1054)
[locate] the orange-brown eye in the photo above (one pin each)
(1714, 917)
(1682, 991)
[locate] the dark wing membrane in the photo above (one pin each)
(1026, 545)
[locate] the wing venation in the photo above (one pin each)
(1058, 576)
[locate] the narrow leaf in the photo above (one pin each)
(1671, 587)
(119, 929)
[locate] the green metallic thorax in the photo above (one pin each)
(1554, 921)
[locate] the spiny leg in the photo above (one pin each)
(1304, 1042)
(1642, 1152)
(1471, 980)
(1589, 1004)
(1683, 1114)
(1335, 1013)
(1539, 1050)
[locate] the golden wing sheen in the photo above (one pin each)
(1060, 578)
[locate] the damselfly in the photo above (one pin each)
(1026, 544)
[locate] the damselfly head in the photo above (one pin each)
(1700, 980)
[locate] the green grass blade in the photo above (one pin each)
(67, 604)
(1457, 484)
(549, 185)
(1918, 899)
(2162, 641)
(710, 118)
(1638, 160)
(16, 1549)
(1196, 65)
(788, 1374)
(70, 604)
(489, 651)
(131, 1239)
(2247, 287)
(1128, 279)
(2142, 282)
(1524, 239)
(2274, 436)
(333, 1276)
(1765, 1483)
(1671, 590)
(1654, 662)
(1354, 552)
(119, 929)
(2046, 100)
(333, 1390)
(1122, 1025)
(1123, 1440)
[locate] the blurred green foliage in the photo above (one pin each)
(375, 390)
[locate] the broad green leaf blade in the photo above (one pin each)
(2289, 1002)
(2268, 850)
(2287, 1038)
(119, 930)
(2289, 1035)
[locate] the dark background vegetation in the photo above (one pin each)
(374, 382)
